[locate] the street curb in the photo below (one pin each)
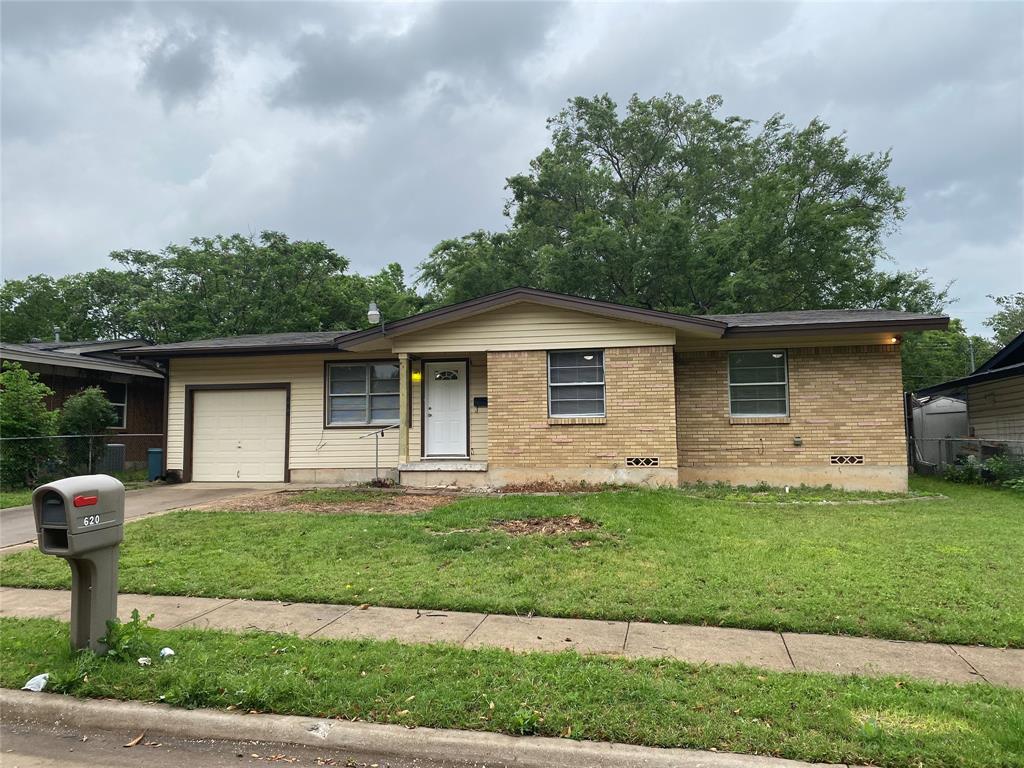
(395, 740)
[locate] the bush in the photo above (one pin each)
(1002, 469)
(86, 413)
(23, 413)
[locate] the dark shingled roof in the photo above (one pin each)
(257, 342)
(823, 318)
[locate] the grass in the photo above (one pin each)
(15, 498)
(942, 570)
(886, 722)
(798, 493)
(18, 497)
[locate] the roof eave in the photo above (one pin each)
(275, 349)
(697, 326)
(857, 326)
(978, 377)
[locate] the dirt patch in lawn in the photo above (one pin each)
(546, 526)
(356, 503)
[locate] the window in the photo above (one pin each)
(576, 383)
(117, 394)
(362, 393)
(758, 384)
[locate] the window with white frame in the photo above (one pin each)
(362, 393)
(117, 395)
(758, 383)
(576, 383)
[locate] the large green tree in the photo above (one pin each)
(211, 286)
(670, 205)
(1008, 321)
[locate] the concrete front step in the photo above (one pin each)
(786, 652)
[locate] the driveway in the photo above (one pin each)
(18, 527)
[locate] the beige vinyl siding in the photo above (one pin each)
(996, 408)
(477, 416)
(532, 326)
(311, 446)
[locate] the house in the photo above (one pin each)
(136, 390)
(527, 385)
(994, 394)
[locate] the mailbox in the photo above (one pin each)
(81, 519)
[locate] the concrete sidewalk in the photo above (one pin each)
(785, 652)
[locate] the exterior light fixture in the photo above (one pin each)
(373, 314)
(893, 340)
(417, 376)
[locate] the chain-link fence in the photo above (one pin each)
(28, 461)
(936, 456)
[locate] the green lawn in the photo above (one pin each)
(885, 722)
(946, 570)
(15, 498)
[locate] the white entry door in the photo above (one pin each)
(444, 402)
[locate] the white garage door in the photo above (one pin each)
(238, 435)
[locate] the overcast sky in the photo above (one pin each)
(383, 129)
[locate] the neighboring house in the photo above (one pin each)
(135, 390)
(528, 385)
(994, 394)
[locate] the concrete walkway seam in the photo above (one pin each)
(396, 740)
(204, 613)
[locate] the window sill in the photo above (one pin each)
(759, 420)
(368, 427)
(570, 420)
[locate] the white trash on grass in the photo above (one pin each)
(165, 652)
(145, 661)
(37, 683)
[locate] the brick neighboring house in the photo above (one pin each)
(528, 385)
(135, 390)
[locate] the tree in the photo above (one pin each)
(23, 414)
(87, 413)
(672, 206)
(211, 286)
(1008, 322)
(933, 357)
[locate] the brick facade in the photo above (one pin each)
(640, 412)
(842, 401)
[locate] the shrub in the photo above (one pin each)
(86, 413)
(23, 413)
(964, 470)
(1003, 467)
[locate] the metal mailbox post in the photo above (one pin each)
(81, 519)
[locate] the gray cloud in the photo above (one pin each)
(182, 67)
(382, 129)
(468, 42)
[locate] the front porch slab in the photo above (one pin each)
(443, 465)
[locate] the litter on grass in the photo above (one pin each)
(37, 683)
(145, 661)
(165, 652)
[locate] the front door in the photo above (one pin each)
(445, 414)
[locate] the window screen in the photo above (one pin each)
(576, 383)
(362, 393)
(757, 383)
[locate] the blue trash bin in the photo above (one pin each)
(156, 463)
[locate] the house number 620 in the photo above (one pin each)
(91, 520)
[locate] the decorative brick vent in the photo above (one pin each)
(642, 461)
(846, 460)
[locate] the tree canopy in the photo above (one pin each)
(670, 205)
(212, 286)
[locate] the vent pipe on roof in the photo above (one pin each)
(56, 333)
